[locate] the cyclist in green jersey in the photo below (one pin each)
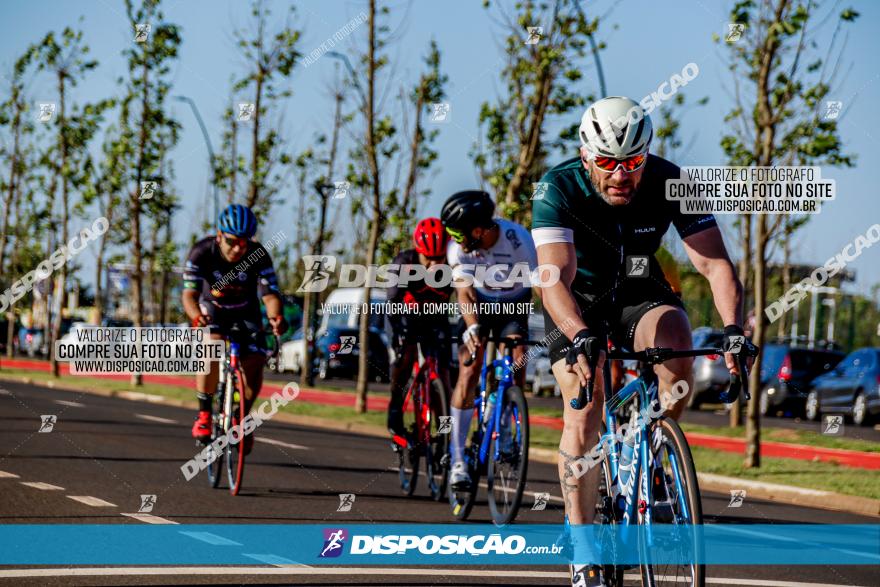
(600, 219)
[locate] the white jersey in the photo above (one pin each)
(502, 272)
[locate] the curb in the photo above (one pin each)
(787, 494)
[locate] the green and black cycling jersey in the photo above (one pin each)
(571, 210)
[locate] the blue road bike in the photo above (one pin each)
(648, 475)
(499, 445)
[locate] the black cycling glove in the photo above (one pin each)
(585, 344)
(736, 342)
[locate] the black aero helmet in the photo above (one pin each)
(467, 210)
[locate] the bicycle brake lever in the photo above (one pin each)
(585, 394)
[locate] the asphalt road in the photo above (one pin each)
(706, 415)
(114, 450)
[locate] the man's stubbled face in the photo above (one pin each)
(617, 188)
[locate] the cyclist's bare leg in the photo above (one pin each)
(252, 370)
(207, 383)
(580, 433)
(668, 326)
(461, 406)
(468, 378)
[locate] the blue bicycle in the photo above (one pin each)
(648, 475)
(499, 445)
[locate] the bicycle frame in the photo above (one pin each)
(421, 385)
(493, 419)
(645, 387)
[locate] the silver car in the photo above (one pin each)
(711, 375)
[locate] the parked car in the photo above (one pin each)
(539, 376)
(711, 375)
(338, 354)
(30, 341)
(291, 353)
(851, 388)
(786, 374)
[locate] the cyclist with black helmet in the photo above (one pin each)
(601, 219)
(492, 260)
(420, 322)
(225, 277)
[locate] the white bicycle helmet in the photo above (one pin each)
(616, 127)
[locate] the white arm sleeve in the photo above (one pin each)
(546, 236)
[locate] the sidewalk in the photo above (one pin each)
(847, 458)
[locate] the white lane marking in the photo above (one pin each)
(156, 419)
(138, 396)
(69, 404)
(399, 571)
(95, 502)
(5, 475)
(274, 442)
(211, 538)
(41, 485)
(149, 519)
(4, 392)
(273, 559)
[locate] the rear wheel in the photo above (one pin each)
(677, 485)
(235, 452)
(506, 476)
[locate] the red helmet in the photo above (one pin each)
(429, 237)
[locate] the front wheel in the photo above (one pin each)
(436, 462)
(675, 500)
(235, 452)
(215, 458)
(860, 413)
(811, 408)
(506, 474)
(408, 453)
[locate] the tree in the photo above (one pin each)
(384, 172)
(271, 58)
(150, 127)
(539, 76)
(13, 116)
(66, 59)
(779, 124)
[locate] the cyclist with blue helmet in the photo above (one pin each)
(225, 277)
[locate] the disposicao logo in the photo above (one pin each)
(334, 540)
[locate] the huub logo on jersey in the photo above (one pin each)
(319, 268)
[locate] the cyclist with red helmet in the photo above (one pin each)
(421, 323)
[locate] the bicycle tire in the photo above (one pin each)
(408, 456)
(235, 452)
(502, 505)
(215, 465)
(435, 469)
(606, 516)
(673, 439)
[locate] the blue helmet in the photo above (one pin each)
(238, 220)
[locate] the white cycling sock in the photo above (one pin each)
(461, 424)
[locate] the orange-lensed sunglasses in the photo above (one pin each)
(629, 164)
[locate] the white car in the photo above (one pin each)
(291, 353)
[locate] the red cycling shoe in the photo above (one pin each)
(201, 429)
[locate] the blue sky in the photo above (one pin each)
(647, 42)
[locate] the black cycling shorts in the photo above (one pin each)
(620, 325)
(499, 324)
(250, 336)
